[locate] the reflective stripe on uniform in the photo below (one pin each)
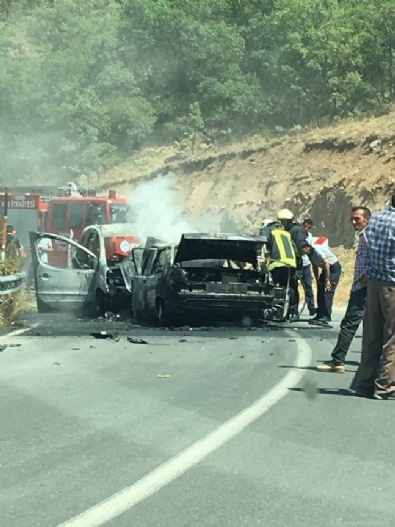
(283, 241)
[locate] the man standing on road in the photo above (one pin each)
(14, 248)
(376, 373)
(307, 225)
(356, 304)
(327, 280)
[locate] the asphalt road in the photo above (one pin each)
(202, 427)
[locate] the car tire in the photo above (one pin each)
(163, 314)
(101, 303)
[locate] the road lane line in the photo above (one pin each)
(15, 333)
(170, 470)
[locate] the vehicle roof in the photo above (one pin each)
(98, 199)
(113, 229)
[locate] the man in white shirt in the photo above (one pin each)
(327, 280)
(44, 247)
(307, 225)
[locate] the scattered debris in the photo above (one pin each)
(75, 349)
(183, 340)
(235, 338)
(103, 335)
(5, 346)
(291, 340)
(136, 341)
(241, 357)
(162, 376)
(56, 363)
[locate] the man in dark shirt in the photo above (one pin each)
(13, 245)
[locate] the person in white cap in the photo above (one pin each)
(281, 249)
(285, 218)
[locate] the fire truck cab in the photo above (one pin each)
(68, 216)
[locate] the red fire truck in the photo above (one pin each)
(61, 210)
(68, 216)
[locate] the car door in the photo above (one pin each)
(61, 288)
(161, 259)
(143, 259)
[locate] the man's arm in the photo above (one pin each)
(316, 272)
(327, 273)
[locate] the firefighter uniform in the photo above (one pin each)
(282, 253)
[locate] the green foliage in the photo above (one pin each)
(84, 83)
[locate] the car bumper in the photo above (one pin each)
(230, 304)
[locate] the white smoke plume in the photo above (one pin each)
(156, 213)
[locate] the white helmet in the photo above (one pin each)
(285, 214)
(267, 222)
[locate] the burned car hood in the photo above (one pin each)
(219, 246)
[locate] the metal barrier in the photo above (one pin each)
(11, 283)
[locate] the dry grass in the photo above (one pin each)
(12, 305)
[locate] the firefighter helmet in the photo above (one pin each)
(285, 214)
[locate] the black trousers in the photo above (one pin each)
(350, 324)
(280, 277)
(308, 286)
(325, 298)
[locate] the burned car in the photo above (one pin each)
(91, 279)
(218, 275)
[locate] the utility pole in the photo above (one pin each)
(4, 225)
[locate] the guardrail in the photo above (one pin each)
(11, 283)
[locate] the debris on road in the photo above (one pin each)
(136, 341)
(5, 346)
(241, 357)
(291, 340)
(235, 338)
(75, 349)
(56, 363)
(162, 376)
(104, 335)
(183, 340)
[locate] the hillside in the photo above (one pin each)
(319, 174)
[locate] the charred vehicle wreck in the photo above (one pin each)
(216, 275)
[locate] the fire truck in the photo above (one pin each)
(61, 210)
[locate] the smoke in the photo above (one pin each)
(156, 213)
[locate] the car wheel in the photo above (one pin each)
(100, 304)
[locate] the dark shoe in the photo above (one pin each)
(312, 311)
(319, 322)
(364, 392)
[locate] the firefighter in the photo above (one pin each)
(285, 218)
(281, 258)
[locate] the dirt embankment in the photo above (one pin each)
(320, 174)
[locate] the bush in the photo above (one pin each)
(12, 305)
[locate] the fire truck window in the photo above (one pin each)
(120, 213)
(76, 215)
(59, 216)
(96, 214)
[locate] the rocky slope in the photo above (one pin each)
(320, 174)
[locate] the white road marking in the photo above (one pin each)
(15, 333)
(169, 471)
